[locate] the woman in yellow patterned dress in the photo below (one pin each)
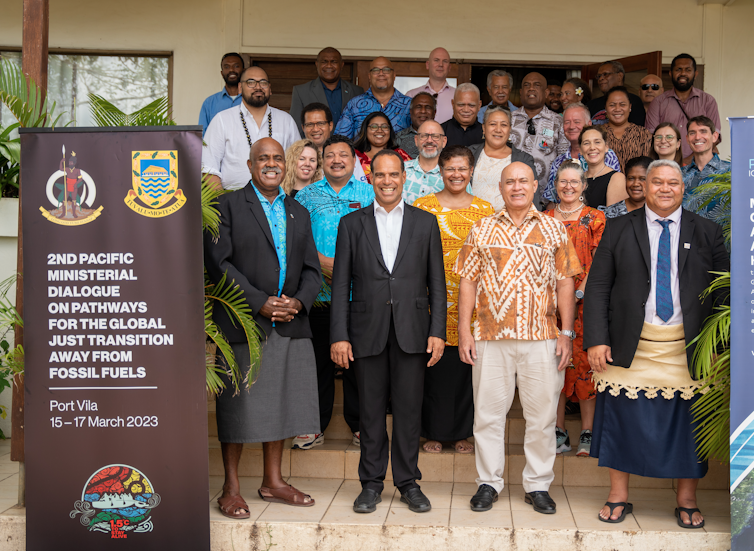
(448, 407)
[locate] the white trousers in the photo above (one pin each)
(499, 366)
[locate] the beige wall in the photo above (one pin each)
(198, 32)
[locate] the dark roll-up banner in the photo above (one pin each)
(742, 335)
(115, 404)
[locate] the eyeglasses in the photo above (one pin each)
(530, 127)
(452, 169)
(379, 127)
(668, 138)
(600, 75)
(251, 83)
(650, 86)
(572, 183)
(434, 137)
(318, 124)
(383, 70)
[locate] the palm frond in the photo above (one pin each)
(156, 113)
(231, 297)
(711, 363)
(26, 101)
(210, 215)
(711, 200)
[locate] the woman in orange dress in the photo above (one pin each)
(448, 407)
(585, 226)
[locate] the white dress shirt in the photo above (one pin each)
(389, 226)
(655, 230)
(227, 148)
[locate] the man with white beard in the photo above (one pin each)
(423, 174)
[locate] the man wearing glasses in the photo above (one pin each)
(232, 132)
(381, 96)
(649, 88)
(328, 88)
(317, 122)
(423, 174)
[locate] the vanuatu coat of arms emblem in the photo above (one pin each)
(72, 193)
(155, 190)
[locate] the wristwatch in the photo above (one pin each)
(568, 333)
(579, 294)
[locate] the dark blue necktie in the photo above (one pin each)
(663, 296)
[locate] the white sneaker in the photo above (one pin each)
(562, 441)
(307, 441)
(585, 443)
(356, 438)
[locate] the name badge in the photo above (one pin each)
(548, 132)
(354, 205)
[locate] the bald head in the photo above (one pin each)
(650, 93)
(533, 91)
(267, 165)
(430, 140)
(438, 64)
(517, 186)
(381, 75)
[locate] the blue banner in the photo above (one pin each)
(742, 335)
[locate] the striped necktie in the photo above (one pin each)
(663, 296)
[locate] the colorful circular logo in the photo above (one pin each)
(117, 499)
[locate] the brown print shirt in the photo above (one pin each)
(636, 141)
(516, 270)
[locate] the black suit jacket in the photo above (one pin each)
(312, 92)
(246, 251)
(414, 292)
(619, 281)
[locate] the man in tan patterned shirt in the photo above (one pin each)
(517, 268)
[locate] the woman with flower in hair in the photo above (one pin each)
(575, 90)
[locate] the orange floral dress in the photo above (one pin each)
(585, 234)
(455, 225)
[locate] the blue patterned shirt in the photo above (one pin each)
(275, 214)
(396, 110)
(214, 104)
(611, 161)
(326, 208)
(693, 178)
(480, 115)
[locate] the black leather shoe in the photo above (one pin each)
(483, 499)
(416, 500)
(367, 501)
(541, 501)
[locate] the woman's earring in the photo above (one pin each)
(581, 198)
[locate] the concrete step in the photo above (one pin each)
(340, 459)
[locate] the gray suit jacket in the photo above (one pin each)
(312, 92)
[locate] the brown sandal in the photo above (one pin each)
(287, 495)
(230, 506)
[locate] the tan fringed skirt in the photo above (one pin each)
(659, 366)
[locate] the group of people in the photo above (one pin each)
(443, 253)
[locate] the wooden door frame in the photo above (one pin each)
(460, 71)
(651, 61)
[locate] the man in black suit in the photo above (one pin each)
(642, 311)
(265, 247)
(389, 260)
(327, 88)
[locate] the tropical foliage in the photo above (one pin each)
(712, 354)
(11, 359)
(223, 294)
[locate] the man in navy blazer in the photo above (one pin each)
(327, 88)
(388, 315)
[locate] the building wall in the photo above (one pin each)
(198, 32)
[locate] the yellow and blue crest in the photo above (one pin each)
(155, 183)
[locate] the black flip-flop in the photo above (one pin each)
(628, 508)
(690, 513)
